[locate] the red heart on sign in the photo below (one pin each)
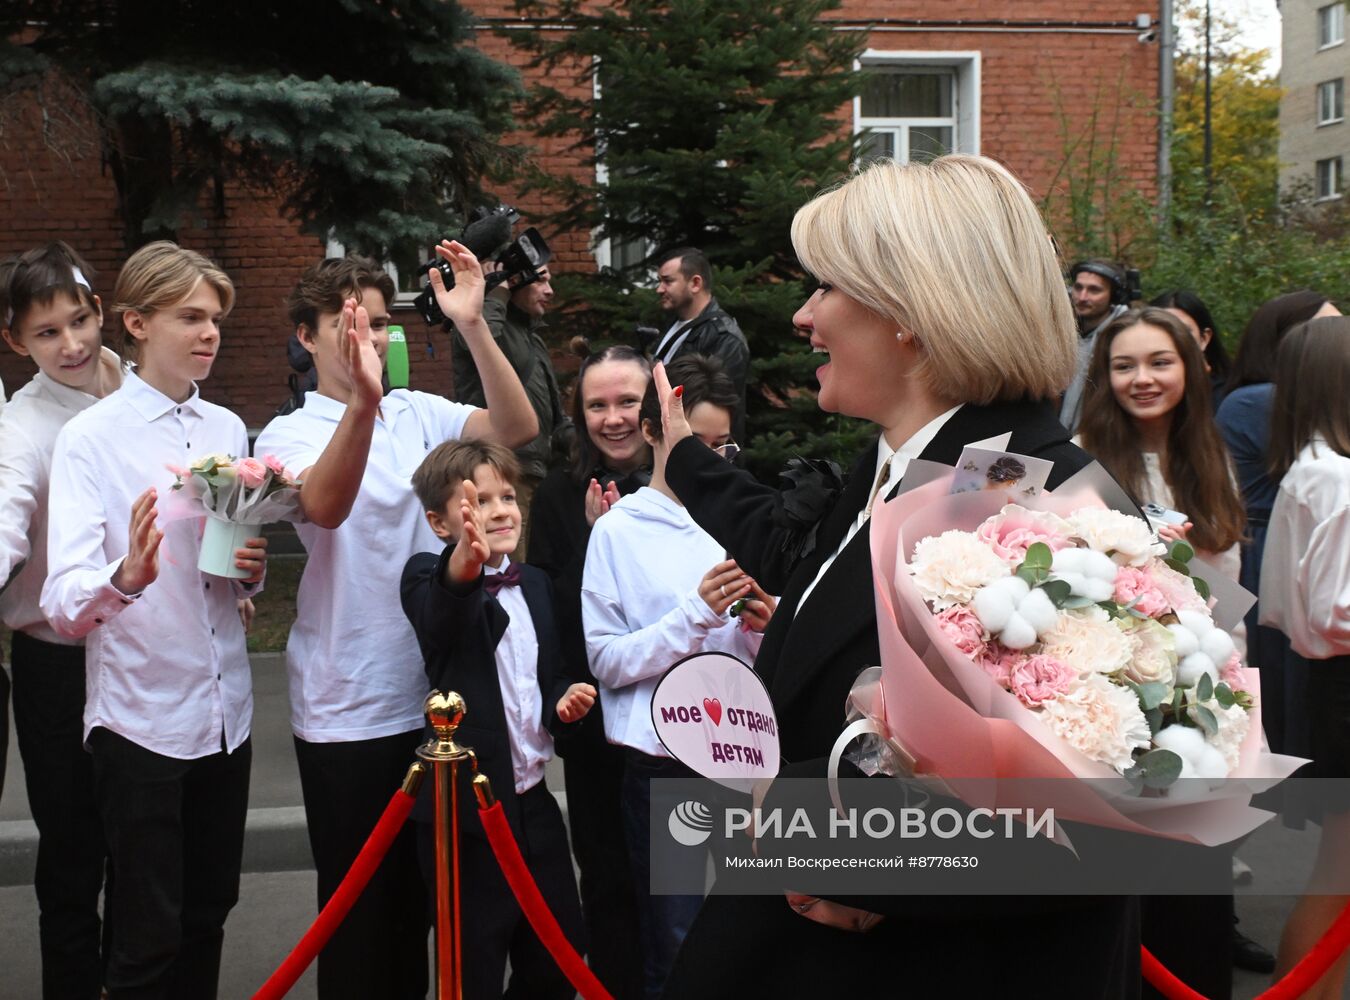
(714, 709)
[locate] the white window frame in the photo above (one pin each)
(965, 122)
(1330, 18)
(603, 248)
(1336, 168)
(402, 299)
(1330, 93)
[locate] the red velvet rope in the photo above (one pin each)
(545, 925)
(353, 883)
(1310, 969)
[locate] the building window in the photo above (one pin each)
(1330, 25)
(918, 105)
(408, 280)
(1329, 178)
(1330, 102)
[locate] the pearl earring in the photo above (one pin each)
(900, 336)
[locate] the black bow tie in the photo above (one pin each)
(509, 577)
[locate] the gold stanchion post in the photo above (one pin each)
(445, 712)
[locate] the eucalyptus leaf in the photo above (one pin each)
(1178, 565)
(1074, 602)
(1152, 694)
(1205, 718)
(1204, 688)
(1058, 591)
(1181, 551)
(1155, 720)
(1201, 587)
(1039, 556)
(1223, 694)
(1159, 768)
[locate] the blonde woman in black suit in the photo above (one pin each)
(941, 317)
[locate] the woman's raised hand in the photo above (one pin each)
(463, 303)
(673, 422)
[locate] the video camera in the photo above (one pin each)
(488, 235)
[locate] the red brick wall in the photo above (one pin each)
(1027, 81)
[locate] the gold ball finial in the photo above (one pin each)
(444, 709)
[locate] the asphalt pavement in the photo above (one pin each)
(277, 894)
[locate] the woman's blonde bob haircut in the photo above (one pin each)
(955, 252)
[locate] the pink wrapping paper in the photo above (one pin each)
(961, 727)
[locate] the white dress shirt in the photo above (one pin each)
(518, 676)
(642, 612)
(895, 462)
(167, 668)
(29, 426)
(356, 671)
(1305, 571)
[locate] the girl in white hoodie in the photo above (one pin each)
(658, 588)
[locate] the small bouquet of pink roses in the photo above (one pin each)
(238, 496)
(1056, 637)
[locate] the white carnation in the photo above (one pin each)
(1100, 720)
(1088, 640)
(950, 568)
(1234, 721)
(1128, 539)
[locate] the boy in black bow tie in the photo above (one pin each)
(485, 626)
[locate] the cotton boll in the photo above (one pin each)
(1068, 561)
(1038, 611)
(1217, 645)
(1184, 640)
(993, 606)
(1209, 764)
(1197, 621)
(1018, 633)
(1014, 586)
(1097, 589)
(1184, 741)
(1099, 565)
(1191, 667)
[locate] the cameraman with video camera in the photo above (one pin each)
(514, 312)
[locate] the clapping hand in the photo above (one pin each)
(576, 702)
(598, 501)
(140, 566)
(471, 551)
(359, 357)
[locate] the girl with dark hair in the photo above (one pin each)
(610, 460)
(1147, 420)
(1191, 310)
(1244, 422)
(658, 588)
(1305, 592)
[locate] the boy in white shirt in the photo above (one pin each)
(356, 678)
(169, 693)
(51, 315)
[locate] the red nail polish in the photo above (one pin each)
(679, 391)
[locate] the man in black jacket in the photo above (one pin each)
(701, 326)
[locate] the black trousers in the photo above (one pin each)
(494, 928)
(593, 772)
(380, 950)
(4, 725)
(72, 853)
(175, 831)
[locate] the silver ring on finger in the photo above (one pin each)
(723, 589)
(802, 907)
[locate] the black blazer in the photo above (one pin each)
(458, 630)
(809, 661)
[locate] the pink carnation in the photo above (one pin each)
(1133, 584)
(962, 626)
(1040, 678)
(252, 473)
(1177, 590)
(1234, 674)
(999, 662)
(1015, 529)
(274, 464)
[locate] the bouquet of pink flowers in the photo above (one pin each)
(238, 496)
(1057, 637)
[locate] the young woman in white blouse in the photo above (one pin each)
(1147, 418)
(1305, 593)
